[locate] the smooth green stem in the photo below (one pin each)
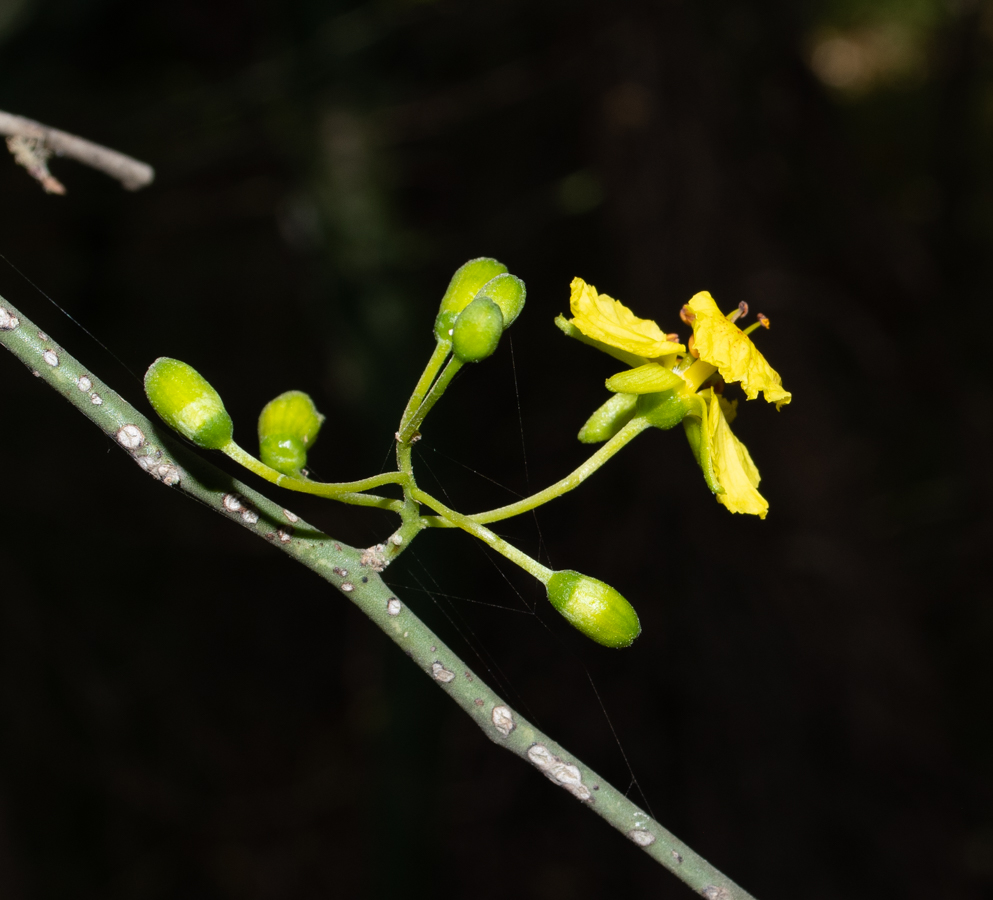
(573, 480)
(531, 566)
(437, 390)
(441, 351)
(345, 491)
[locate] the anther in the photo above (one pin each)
(687, 315)
(739, 313)
(764, 320)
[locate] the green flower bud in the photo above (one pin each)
(288, 427)
(477, 330)
(664, 410)
(508, 292)
(187, 403)
(463, 287)
(594, 608)
(609, 419)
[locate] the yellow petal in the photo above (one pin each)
(607, 320)
(733, 467)
(650, 378)
(723, 344)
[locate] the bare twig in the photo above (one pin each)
(32, 143)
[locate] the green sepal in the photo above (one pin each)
(477, 330)
(663, 410)
(288, 428)
(509, 293)
(465, 284)
(651, 378)
(610, 418)
(594, 608)
(187, 403)
(699, 439)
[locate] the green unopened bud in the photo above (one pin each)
(594, 608)
(664, 410)
(187, 403)
(288, 427)
(508, 292)
(463, 287)
(609, 419)
(477, 330)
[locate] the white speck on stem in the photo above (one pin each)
(51, 357)
(84, 383)
(556, 769)
(130, 437)
(291, 516)
(440, 673)
(641, 837)
(8, 321)
(96, 399)
(714, 892)
(284, 536)
(347, 587)
(503, 720)
(393, 606)
(396, 540)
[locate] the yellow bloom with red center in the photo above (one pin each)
(663, 377)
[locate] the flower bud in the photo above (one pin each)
(288, 427)
(610, 418)
(187, 403)
(477, 330)
(508, 292)
(463, 287)
(594, 608)
(665, 410)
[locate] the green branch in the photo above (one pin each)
(353, 572)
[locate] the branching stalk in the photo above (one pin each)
(573, 480)
(353, 573)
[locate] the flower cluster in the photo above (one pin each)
(670, 382)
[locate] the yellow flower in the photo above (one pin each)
(725, 346)
(609, 321)
(661, 368)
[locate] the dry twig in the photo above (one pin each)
(32, 143)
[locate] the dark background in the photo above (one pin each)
(186, 714)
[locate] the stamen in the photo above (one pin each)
(762, 320)
(672, 337)
(739, 313)
(691, 347)
(687, 315)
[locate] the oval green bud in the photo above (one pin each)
(288, 427)
(463, 287)
(663, 410)
(509, 293)
(610, 418)
(187, 403)
(594, 608)
(477, 330)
